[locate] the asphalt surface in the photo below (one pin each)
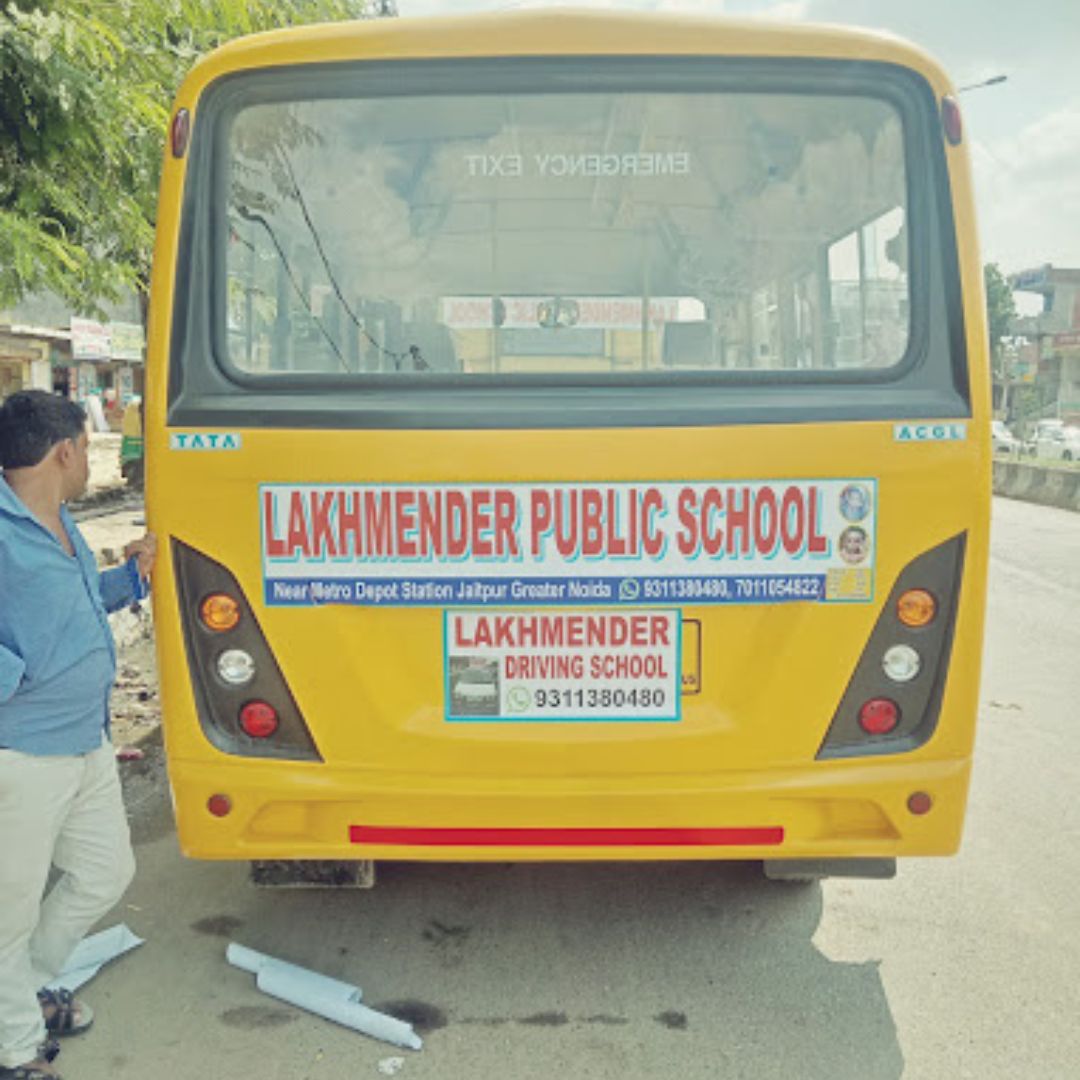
(964, 967)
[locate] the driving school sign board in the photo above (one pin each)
(614, 664)
(477, 545)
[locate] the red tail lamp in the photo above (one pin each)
(219, 805)
(919, 802)
(259, 719)
(879, 716)
(180, 132)
(951, 120)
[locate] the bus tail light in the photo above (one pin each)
(219, 805)
(220, 612)
(901, 663)
(893, 699)
(244, 704)
(236, 667)
(878, 716)
(259, 719)
(180, 132)
(919, 803)
(951, 120)
(916, 607)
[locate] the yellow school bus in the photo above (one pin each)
(569, 437)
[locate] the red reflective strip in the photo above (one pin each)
(388, 834)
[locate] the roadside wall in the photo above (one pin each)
(1038, 483)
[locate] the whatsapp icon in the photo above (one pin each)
(518, 698)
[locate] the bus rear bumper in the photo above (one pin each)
(830, 810)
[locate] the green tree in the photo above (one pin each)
(85, 91)
(1000, 311)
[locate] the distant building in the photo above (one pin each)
(1054, 335)
(44, 346)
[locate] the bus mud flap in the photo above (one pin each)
(313, 873)
(816, 869)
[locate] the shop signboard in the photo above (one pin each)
(1062, 345)
(126, 342)
(89, 340)
(88, 381)
(1030, 279)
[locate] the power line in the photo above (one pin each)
(413, 351)
(257, 219)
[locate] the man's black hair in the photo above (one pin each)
(32, 422)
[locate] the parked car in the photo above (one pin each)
(1055, 440)
(1005, 442)
(1063, 445)
(476, 690)
(1041, 430)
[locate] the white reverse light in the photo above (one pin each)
(901, 663)
(236, 667)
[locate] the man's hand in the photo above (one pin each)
(145, 551)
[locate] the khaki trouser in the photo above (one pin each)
(66, 811)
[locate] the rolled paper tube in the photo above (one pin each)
(244, 958)
(280, 982)
(303, 980)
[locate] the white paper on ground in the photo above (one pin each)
(330, 998)
(301, 979)
(240, 956)
(279, 981)
(92, 954)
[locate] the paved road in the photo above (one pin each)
(958, 968)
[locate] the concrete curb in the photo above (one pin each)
(1042, 484)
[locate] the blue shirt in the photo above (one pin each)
(57, 655)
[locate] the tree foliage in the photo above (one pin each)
(85, 92)
(1000, 308)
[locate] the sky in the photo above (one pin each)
(1024, 133)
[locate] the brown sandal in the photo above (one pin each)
(65, 1007)
(32, 1070)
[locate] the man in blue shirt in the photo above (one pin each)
(60, 800)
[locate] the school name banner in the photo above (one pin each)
(444, 545)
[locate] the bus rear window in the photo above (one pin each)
(550, 233)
